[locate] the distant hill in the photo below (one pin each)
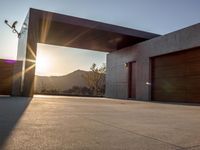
(60, 83)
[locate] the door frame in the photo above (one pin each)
(130, 71)
(151, 70)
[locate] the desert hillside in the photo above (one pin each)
(61, 83)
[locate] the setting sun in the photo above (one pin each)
(42, 63)
(56, 61)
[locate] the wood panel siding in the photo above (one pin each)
(176, 76)
(6, 73)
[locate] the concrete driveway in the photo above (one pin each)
(58, 123)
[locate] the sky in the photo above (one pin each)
(157, 16)
(66, 61)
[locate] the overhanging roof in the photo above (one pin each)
(63, 30)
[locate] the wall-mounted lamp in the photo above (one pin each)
(25, 26)
(148, 83)
(126, 65)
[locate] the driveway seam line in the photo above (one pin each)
(188, 148)
(135, 133)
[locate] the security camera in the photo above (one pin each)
(13, 27)
(14, 24)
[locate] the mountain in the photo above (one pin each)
(61, 83)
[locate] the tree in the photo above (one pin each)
(95, 79)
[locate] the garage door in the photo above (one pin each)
(176, 77)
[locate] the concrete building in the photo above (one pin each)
(140, 65)
(165, 68)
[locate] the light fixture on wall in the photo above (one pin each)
(148, 83)
(25, 26)
(126, 65)
(13, 27)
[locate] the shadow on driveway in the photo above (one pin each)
(11, 110)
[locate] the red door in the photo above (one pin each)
(131, 80)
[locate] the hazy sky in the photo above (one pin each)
(158, 16)
(54, 60)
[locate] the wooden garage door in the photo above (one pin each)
(176, 77)
(6, 71)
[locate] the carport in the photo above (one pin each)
(62, 30)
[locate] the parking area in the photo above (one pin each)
(77, 123)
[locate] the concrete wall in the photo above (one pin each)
(19, 67)
(116, 83)
(24, 73)
(117, 73)
(31, 50)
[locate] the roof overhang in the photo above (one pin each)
(63, 30)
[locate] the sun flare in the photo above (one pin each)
(42, 64)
